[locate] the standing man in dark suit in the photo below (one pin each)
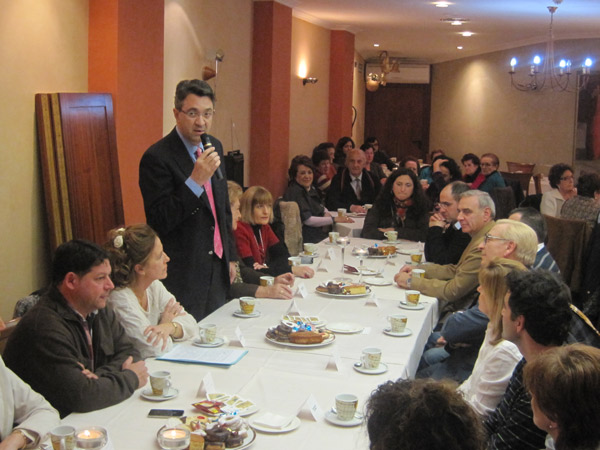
(186, 202)
(354, 186)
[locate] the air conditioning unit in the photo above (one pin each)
(407, 73)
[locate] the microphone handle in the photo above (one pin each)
(206, 143)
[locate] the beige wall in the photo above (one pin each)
(358, 99)
(193, 33)
(44, 49)
(308, 104)
(475, 109)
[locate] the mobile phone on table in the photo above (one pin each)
(165, 413)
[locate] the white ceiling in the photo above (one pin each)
(412, 28)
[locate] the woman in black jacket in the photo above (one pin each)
(401, 206)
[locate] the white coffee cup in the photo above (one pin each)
(208, 333)
(247, 304)
(418, 273)
(391, 235)
(160, 382)
(267, 281)
(371, 357)
(310, 249)
(294, 260)
(63, 437)
(346, 405)
(341, 212)
(412, 298)
(333, 237)
(398, 322)
(367, 206)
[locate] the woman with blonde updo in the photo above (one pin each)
(148, 312)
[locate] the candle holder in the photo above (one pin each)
(90, 438)
(173, 438)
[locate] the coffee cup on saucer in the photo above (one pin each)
(267, 281)
(160, 382)
(208, 333)
(346, 405)
(397, 322)
(371, 357)
(247, 304)
(418, 273)
(333, 237)
(310, 249)
(416, 257)
(391, 235)
(341, 212)
(63, 437)
(294, 260)
(412, 298)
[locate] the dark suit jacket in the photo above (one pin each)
(185, 223)
(342, 195)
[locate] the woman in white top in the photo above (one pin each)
(497, 357)
(25, 416)
(561, 180)
(149, 313)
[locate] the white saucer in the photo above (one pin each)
(383, 368)
(389, 332)
(332, 417)
(148, 395)
(314, 255)
(387, 241)
(377, 281)
(405, 305)
(345, 328)
(216, 343)
(295, 423)
(243, 315)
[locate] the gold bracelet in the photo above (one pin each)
(175, 326)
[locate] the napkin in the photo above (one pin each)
(272, 420)
(350, 269)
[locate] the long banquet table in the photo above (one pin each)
(279, 379)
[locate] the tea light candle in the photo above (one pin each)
(91, 438)
(174, 439)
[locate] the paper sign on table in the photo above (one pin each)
(366, 330)
(302, 292)
(322, 267)
(313, 408)
(207, 386)
(335, 362)
(240, 336)
(372, 301)
(390, 262)
(293, 310)
(331, 254)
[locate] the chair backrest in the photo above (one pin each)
(4, 334)
(504, 199)
(567, 241)
(290, 216)
(537, 182)
(523, 178)
(520, 167)
(25, 304)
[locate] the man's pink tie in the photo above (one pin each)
(218, 243)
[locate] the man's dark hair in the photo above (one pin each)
(543, 300)
(196, 87)
(319, 154)
(457, 188)
(588, 184)
(533, 219)
(78, 256)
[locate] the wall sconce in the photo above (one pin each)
(310, 80)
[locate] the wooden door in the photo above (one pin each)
(398, 115)
(80, 168)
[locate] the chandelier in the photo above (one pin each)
(545, 73)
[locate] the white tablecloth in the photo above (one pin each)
(279, 379)
(351, 229)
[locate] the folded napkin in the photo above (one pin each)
(350, 269)
(272, 420)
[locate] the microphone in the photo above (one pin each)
(206, 143)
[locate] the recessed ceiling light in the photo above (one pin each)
(375, 45)
(460, 47)
(441, 4)
(467, 33)
(455, 20)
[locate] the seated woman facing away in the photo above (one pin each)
(497, 357)
(316, 219)
(26, 415)
(563, 188)
(324, 168)
(400, 206)
(148, 312)
(247, 280)
(564, 383)
(257, 244)
(586, 204)
(421, 415)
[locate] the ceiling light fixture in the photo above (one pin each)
(441, 4)
(375, 45)
(455, 20)
(467, 33)
(557, 75)
(460, 47)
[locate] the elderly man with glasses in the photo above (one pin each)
(445, 241)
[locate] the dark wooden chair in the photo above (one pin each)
(504, 199)
(520, 167)
(4, 334)
(523, 178)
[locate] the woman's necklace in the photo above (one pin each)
(261, 246)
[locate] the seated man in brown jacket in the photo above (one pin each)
(454, 284)
(69, 347)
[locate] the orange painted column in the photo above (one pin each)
(270, 123)
(126, 59)
(341, 73)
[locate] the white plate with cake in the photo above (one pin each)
(290, 336)
(343, 290)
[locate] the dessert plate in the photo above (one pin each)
(315, 321)
(171, 393)
(248, 441)
(405, 305)
(332, 417)
(389, 332)
(243, 315)
(382, 368)
(294, 423)
(345, 328)
(325, 342)
(327, 294)
(234, 404)
(216, 343)
(377, 281)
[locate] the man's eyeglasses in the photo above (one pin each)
(489, 237)
(194, 113)
(444, 205)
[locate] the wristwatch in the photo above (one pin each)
(408, 282)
